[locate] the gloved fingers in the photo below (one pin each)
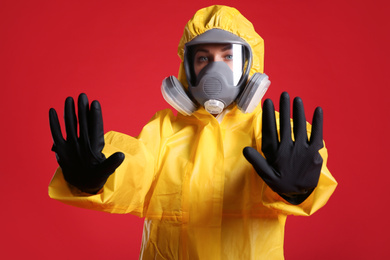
(111, 163)
(260, 164)
(317, 129)
(95, 127)
(285, 126)
(299, 119)
(83, 110)
(55, 128)
(70, 120)
(269, 131)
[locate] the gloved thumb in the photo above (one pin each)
(111, 163)
(260, 164)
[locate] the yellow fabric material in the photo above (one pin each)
(200, 198)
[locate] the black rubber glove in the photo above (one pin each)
(292, 168)
(81, 159)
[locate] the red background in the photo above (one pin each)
(331, 53)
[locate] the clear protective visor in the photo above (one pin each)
(200, 57)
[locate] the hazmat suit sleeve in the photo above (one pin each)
(127, 189)
(321, 194)
(124, 191)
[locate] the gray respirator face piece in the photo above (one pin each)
(215, 88)
(216, 76)
(221, 80)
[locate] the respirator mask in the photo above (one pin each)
(217, 65)
(215, 74)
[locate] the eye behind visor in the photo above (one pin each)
(199, 56)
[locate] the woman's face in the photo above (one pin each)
(206, 53)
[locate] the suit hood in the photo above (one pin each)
(224, 18)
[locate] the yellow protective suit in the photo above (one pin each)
(188, 177)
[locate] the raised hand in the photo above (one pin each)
(80, 157)
(291, 168)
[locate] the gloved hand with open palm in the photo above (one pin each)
(290, 168)
(80, 157)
